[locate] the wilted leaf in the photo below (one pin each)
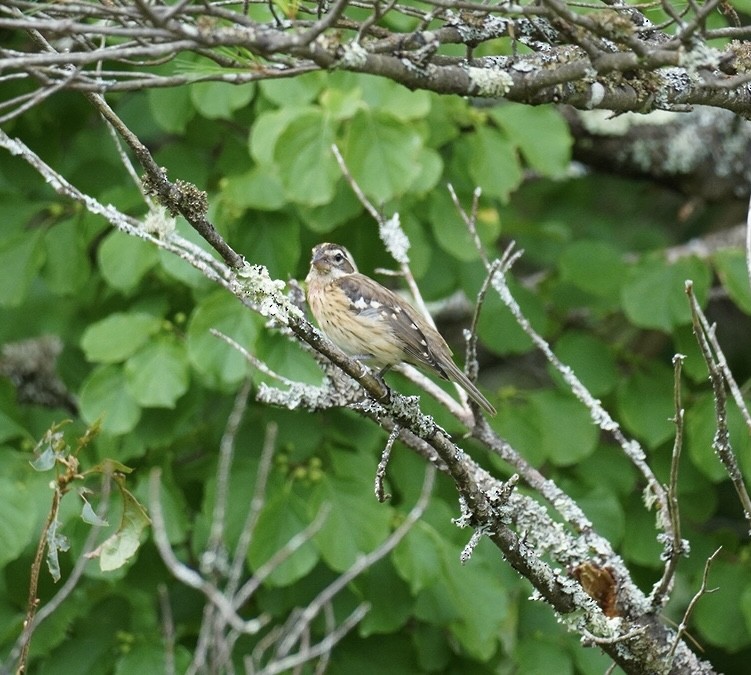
(115, 551)
(45, 461)
(55, 542)
(88, 515)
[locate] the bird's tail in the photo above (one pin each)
(456, 375)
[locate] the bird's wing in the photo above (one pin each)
(422, 344)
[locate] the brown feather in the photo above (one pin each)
(388, 330)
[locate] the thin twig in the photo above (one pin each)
(250, 358)
(188, 576)
(214, 552)
(631, 448)
(257, 502)
(382, 496)
(30, 625)
(675, 547)
(323, 647)
(748, 241)
(361, 564)
(470, 220)
(717, 376)
(168, 629)
(703, 590)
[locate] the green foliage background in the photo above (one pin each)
(138, 355)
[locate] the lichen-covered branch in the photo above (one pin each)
(608, 57)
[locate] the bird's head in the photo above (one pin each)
(332, 261)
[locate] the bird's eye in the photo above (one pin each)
(338, 258)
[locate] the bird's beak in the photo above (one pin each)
(317, 259)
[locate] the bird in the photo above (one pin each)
(370, 322)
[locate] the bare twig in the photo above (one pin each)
(19, 653)
(470, 220)
(168, 629)
(214, 555)
(748, 241)
(654, 493)
(254, 510)
(188, 576)
(703, 590)
(382, 496)
(676, 546)
(718, 377)
(364, 562)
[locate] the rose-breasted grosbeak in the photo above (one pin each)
(367, 320)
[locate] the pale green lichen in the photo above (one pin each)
(159, 222)
(489, 82)
(354, 55)
(267, 294)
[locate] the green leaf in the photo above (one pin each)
(354, 525)
(385, 96)
(541, 657)
(718, 616)
(733, 272)
(492, 162)
(124, 260)
(499, 330)
(433, 651)
(594, 267)
(640, 543)
(17, 521)
(108, 466)
(540, 132)
(557, 412)
(431, 170)
(701, 426)
(303, 155)
(293, 92)
(117, 337)
(604, 509)
(88, 515)
(171, 108)
(275, 242)
(388, 611)
(327, 217)
(517, 423)
(21, 257)
(282, 518)
(258, 189)
(180, 269)
(451, 232)
(590, 359)
(219, 100)
(157, 375)
(117, 549)
(654, 292)
(67, 266)
(105, 396)
(150, 657)
(341, 103)
(382, 154)
(452, 601)
(9, 428)
(266, 130)
(645, 404)
(217, 362)
(418, 556)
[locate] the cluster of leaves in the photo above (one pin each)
(139, 357)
